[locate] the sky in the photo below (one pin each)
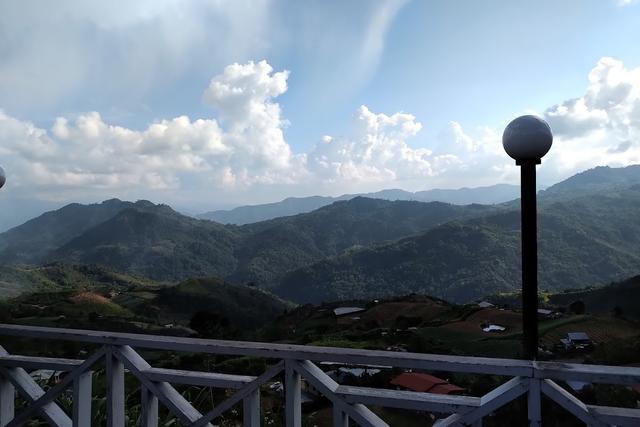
(213, 104)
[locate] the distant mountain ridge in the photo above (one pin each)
(296, 205)
(355, 248)
(598, 179)
(155, 241)
(587, 240)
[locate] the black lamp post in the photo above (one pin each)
(3, 177)
(527, 139)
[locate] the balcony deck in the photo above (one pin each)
(116, 352)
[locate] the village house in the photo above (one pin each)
(424, 383)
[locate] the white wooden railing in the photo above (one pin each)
(116, 352)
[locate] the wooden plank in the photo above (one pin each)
(206, 379)
(328, 387)
(340, 419)
(32, 392)
(30, 362)
(168, 395)
(412, 400)
(293, 395)
(149, 410)
(534, 409)
(115, 392)
(47, 398)
(241, 394)
(569, 402)
(54, 391)
(479, 365)
(621, 417)
(452, 420)
(82, 397)
(588, 373)
(491, 401)
(251, 409)
(7, 401)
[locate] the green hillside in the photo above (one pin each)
(244, 307)
(359, 248)
(157, 242)
(29, 242)
(596, 180)
(219, 309)
(618, 299)
(16, 280)
(272, 248)
(592, 239)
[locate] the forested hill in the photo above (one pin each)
(155, 241)
(619, 299)
(271, 248)
(589, 233)
(587, 240)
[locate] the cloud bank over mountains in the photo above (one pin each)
(243, 149)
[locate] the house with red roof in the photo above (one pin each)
(425, 383)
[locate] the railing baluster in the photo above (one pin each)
(340, 419)
(533, 403)
(82, 395)
(115, 391)
(251, 409)
(149, 412)
(292, 388)
(7, 401)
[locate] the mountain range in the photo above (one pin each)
(357, 248)
(583, 241)
(296, 205)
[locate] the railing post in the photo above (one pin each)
(533, 403)
(251, 409)
(292, 389)
(7, 401)
(115, 391)
(149, 411)
(340, 419)
(82, 395)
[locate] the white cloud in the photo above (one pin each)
(245, 148)
(115, 52)
(376, 151)
(87, 152)
(602, 127)
(243, 151)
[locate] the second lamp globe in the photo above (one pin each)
(527, 138)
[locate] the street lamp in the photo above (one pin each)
(3, 177)
(527, 139)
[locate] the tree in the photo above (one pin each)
(577, 307)
(209, 325)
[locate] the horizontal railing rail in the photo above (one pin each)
(116, 352)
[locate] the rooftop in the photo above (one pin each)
(425, 383)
